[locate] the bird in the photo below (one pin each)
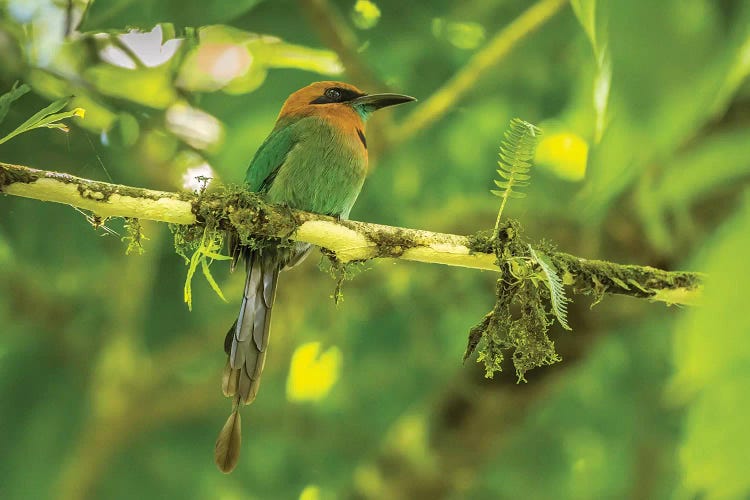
(315, 159)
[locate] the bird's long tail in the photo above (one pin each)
(246, 344)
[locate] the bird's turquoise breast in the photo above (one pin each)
(323, 170)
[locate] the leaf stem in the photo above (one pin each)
(481, 62)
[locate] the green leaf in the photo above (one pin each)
(9, 97)
(120, 15)
(651, 121)
(503, 174)
(46, 118)
(585, 11)
(211, 281)
(211, 242)
(516, 153)
(712, 360)
(58, 126)
(693, 176)
(245, 60)
(594, 25)
(54, 107)
(150, 87)
(554, 284)
(49, 121)
(365, 14)
(280, 54)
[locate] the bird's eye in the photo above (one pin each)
(333, 94)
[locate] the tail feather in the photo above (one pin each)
(230, 380)
(247, 341)
(227, 448)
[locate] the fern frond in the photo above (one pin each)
(516, 153)
(556, 291)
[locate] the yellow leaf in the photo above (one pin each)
(312, 374)
(565, 154)
(311, 492)
(366, 14)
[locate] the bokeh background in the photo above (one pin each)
(110, 387)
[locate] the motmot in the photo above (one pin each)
(315, 159)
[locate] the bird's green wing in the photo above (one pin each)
(270, 156)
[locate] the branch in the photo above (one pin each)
(347, 240)
(336, 34)
(480, 63)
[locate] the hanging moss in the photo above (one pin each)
(340, 272)
(134, 236)
(519, 322)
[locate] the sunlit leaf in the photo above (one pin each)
(237, 61)
(365, 14)
(147, 86)
(197, 128)
(210, 243)
(311, 492)
(209, 277)
(563, 153)
(47, 118)
(313, 373)
(465, 36)
(278, 54)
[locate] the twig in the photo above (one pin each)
(336, 34)
(117, 42)
(347, 240)
(484, 60)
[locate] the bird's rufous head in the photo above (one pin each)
(337, 99)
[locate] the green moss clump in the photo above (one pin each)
(340, 272)
(10, 176)
(186, 239)
(391, 243)
(481, 242)
(519, 322)
(134, 236)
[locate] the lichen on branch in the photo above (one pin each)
(347, 240)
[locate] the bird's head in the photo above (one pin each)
(337, 99)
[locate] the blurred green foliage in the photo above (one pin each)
(110, 388)
(118, 15)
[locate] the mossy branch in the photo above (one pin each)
(347, 240)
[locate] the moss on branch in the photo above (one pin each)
(529, 292)
(232, 208)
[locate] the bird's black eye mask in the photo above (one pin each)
(336, 94)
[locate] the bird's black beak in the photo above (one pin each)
(377, 101)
